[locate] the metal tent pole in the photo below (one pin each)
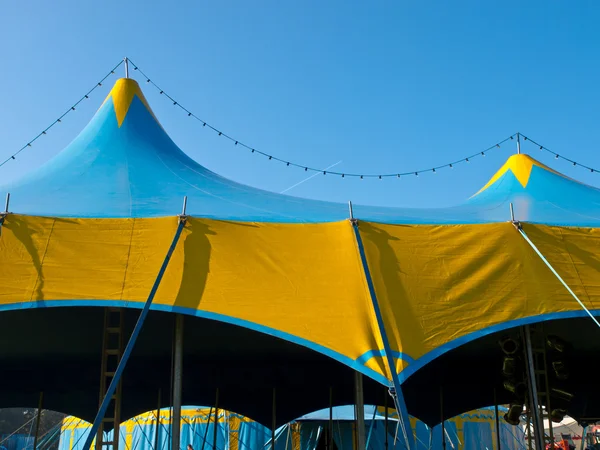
(157, 431)
(273, 419)
(359, 411)
(442, 417)
(206, 430)
(330, 437)
(39, 420)
(177, 384)
(385, 405)
(134, 335)
(216, 428)
(396, 391)
(538, 424)
(497, 419)
(5, 213)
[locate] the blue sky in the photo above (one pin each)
(383, 86)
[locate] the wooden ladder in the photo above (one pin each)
(112, 350)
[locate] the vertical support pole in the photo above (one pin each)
(206, 431)
(39, 420)
(442, 417)
(274, 419)
(529, 437)
(359, 411)
(386, 421)
(497, 419)
(538, 425)
(518, 143)
(583, 438)
(6, 205)
(132, 340)
(330, 437)
(157, 431)
(126, 67)
(177, 384)
(396, 391)
(216, 428)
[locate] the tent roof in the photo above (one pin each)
(123, 164)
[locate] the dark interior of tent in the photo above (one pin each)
(473, 375)
(58, 351)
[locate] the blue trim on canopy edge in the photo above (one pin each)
(433, 354)
(366, 356)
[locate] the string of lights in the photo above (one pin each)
(288, 163)
(557, 156)
(60, 118)
(307, 168)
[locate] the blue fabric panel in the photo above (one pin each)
(136, 170)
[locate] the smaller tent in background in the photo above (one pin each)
(474, 430)
(470, 431)
(234, 432)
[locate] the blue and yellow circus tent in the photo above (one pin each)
(280, 291)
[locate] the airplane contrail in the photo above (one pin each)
(306, 179)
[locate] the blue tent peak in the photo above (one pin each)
(124, 165)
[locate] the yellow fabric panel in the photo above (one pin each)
(438, 283)
(47, 259)
(575, 255)
(306, 280)
(302, 279)
(122, 95)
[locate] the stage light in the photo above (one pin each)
(556, 343)
(509, 346)
(513, 416)
(558, 415)
(562, 394)
(509, 366)
(516, 387)
(560, 370)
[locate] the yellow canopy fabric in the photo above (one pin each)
(436, 285)
(302, 282)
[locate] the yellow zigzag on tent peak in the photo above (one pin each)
(520, 165)
(122, 95)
